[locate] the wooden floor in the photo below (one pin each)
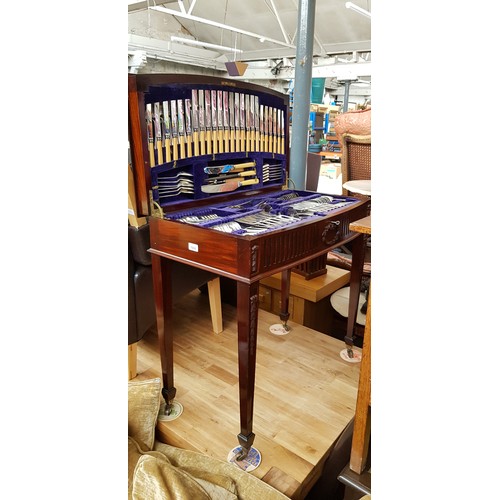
(305, 393)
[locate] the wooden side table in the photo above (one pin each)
(362, 417)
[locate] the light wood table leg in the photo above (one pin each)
(215, 304)
(362, 418)
(132, 361)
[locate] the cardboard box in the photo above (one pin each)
(330, 178)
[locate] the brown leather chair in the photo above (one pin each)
(141, 305)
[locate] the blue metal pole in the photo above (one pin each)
(302, 93)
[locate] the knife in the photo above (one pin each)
(247, 122)
(220, 178)
(214, 121)
(208, 120)
(222, 169)
(166, 132)
(196, 138)
(282, 132)
(266, 128)
(173, 122)
(237, 121)
(220, 124)
(231, 122)
(275, 132)
(252, 123)
(157, 122)
(229, 185)
(261, 124)
(201, 119)
(151, 147)
(225, 103)
(181, 130)
(256, 123)
(242, 122)
(189, 131)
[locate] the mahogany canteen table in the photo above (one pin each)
(246, 259)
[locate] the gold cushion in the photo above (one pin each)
(143, 407)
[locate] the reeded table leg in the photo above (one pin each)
(162, 284)
(285, 297)
(248, 307)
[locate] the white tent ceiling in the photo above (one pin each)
(262, 33)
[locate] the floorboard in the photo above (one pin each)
(305, 392)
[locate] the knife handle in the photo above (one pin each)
(252, 140)
(196, 144)
(248, 182)
(182, 142)
(257, 140)
(168, 155)
(189, 146)
(226, 141)
(245, 173)
(231, 140)
(174, 148)
(202, 142)
(238, 140)
(220, 135)
(262, 143)
(243, 140)
(151, 148)
(214, 142)
(160, 152)
(209, 142)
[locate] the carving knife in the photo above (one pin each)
(242, 122)
(208, 121)
(237, 121)
(189, 132)
(220, 124)
(256, 123)
(166, 131)
(157, 122)
(196, 143)
(214, 121)
(181, 129)
(173, 122)
(220, 178)
(222, 169)
(229, 185)
(225, 103)
(151, 146)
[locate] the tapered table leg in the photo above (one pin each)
(162, 285)
(285, 297)
(358, 253)
(248, 307)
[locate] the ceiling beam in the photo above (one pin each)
(202, 20)
(339, 71)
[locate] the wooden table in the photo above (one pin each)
(362, 418)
